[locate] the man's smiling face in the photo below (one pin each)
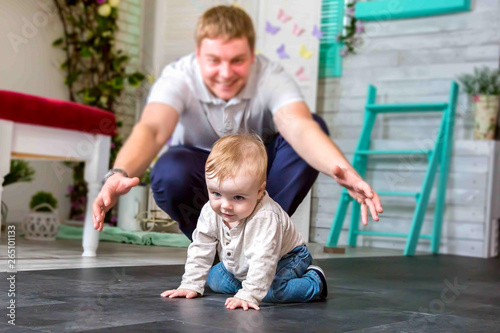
(225, 65)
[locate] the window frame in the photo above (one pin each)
(331, 48)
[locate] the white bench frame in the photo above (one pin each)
(25, 141)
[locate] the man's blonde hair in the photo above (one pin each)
(226, 22)
(232, 153)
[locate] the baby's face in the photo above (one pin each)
(234, 199)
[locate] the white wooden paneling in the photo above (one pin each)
(468, 248)
(330, 88)
(447, 55)
(433, 25)
(432, 41)
(453, 197)
(459, 213)
(416, 119)
(451, 229)
(460, 147)
(129, 40)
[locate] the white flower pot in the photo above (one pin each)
(42, 226)
(130, 206)
(485, 116)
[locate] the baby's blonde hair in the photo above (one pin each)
(236, 152)
(226, 22)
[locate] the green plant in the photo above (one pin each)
(77, 192)
(351, 34)
(484, 81)
(145, 178)
(96, 72)
(20, 171)
(43, 197)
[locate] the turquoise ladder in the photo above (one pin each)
(440, 155)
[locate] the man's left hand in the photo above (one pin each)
(234, 303)
(360, 191)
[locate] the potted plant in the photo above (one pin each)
(20, 171)
(484, 88)
(42, 222)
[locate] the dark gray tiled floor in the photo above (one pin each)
(386, 294)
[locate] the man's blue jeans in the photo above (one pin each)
(291, 283)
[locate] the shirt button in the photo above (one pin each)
(229, 254)
(227, 243)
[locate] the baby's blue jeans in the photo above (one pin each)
(291, 283)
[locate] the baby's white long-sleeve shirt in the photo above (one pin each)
(250, 251)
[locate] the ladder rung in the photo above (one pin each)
(423, 107)
(393, 152)
(399, 194)
(388, 234)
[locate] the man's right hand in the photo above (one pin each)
(115, 186)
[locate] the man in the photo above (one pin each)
(224, 88)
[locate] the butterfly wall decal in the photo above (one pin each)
(304, 53)
(271, 29)
(316, 32)
(283, 17)
(301, 76)
(297, 31)
(281, 52)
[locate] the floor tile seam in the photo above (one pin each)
(465, 315)
(138, 322)
(202, 325)
(376, 327)
(23, 327)
(113, 266)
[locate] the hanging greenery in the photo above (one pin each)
(96, 72)
(20, 171)
(353, 28)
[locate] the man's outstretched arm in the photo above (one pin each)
(295, 123)
(148, 136)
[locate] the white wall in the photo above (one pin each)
(28, 62)
(413, 60)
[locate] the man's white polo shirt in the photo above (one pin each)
(205, 118)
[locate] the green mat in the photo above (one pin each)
(115, 234)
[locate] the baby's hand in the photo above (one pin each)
(234, 303)
(179, 293)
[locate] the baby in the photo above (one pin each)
(263, 257)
